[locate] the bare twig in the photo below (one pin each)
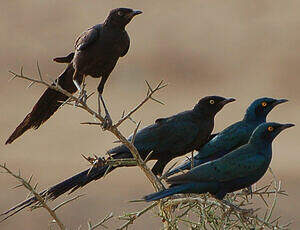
(148, 97)
(101, 223)
(131, 217)
(134, 133)
(67, 201)
(36, 194)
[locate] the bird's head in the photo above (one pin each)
(267, 131)
(260, 108)
(121, 16)
(212, 104)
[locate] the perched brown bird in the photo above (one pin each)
(97, 51)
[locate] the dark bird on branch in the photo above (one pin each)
(97, 51)
(167, 138)
(233, 136)
(237, 170)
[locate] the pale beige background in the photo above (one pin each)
(242, 49)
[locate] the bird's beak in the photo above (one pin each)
(277, 102)
(285, 126)
(134, 13)
(227, 100)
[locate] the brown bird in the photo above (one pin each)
(97, 51)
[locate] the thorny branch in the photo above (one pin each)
(230, 212)
(42, 201)
(156, 183)
(227, 214)
(27, 185)
(101, 223)
(148, 97)
(114, 129)
(130, 217)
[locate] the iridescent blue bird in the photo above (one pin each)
(233, 136)
(237, 170)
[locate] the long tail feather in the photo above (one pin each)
(46, 106)
(165, 193)
(71, 184)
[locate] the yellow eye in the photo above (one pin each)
(212, 102)
(270, 128)
(120, 13)
(264, 104)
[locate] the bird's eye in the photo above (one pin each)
(212, 102)
(270, 128)
(264, 104)
(120, 13)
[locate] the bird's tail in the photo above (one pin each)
(167, 192)
(186, 165)
(178, 186)
(47, 105)
(69, 185)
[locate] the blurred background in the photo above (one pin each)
(241, 49)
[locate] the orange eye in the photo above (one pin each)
(212, 102)
(264, 104)
(270, 128)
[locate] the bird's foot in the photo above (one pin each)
(82, 97)
(248, 191)
(107, 123)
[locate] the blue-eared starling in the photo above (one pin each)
(233, 136)
(238, 169)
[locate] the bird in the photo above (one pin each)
(238, 169)
(97, 51)
(233, 136)
(167, 138)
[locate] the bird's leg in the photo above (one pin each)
(108, 121)
(77, 85)
(82, 93)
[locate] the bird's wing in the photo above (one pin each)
(166, 136)
(242, 162)
(212, 136)
(226, 141)
(125, 51)
(159, 120)
(87, 38)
